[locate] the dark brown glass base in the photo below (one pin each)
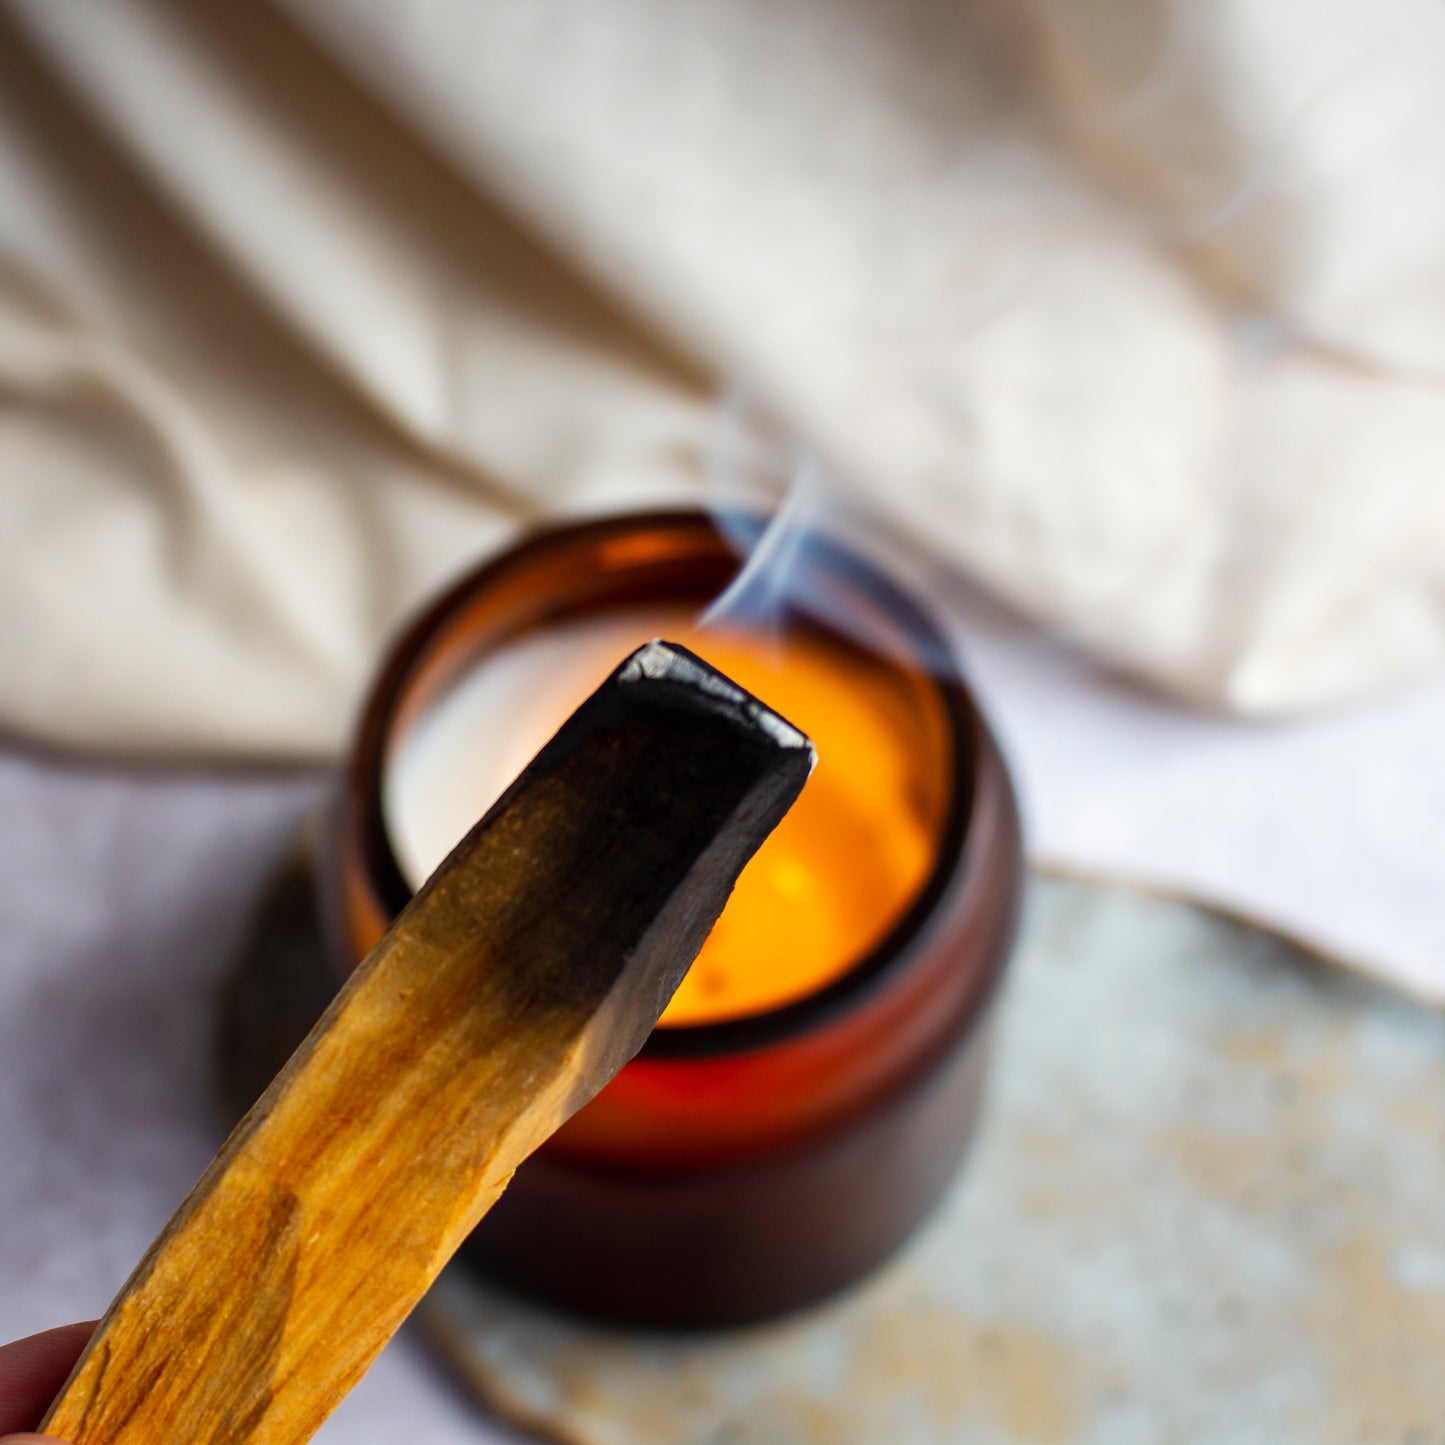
(717, 1247)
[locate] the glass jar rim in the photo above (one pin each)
(966, 737)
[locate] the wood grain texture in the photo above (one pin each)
(530, 968)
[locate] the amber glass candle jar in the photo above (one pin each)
(768, 1146)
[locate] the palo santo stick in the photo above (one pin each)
(530, 968)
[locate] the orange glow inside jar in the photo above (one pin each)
(846, 862)
(827, 886)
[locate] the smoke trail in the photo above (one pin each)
(755, 598)
(790, 563)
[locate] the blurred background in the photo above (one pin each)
(1122, 320)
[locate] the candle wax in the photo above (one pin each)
(821, 892)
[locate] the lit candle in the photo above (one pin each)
(823, 891)
(817, 1078)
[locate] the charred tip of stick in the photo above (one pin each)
(670, 663)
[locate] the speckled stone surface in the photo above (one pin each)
(1208, 1205)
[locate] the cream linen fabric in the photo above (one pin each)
(1135, 312)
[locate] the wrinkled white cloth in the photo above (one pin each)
(1329, 828)
(1133, 313)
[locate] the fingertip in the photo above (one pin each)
(31, 1372)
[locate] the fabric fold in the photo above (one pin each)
(1115, 311)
